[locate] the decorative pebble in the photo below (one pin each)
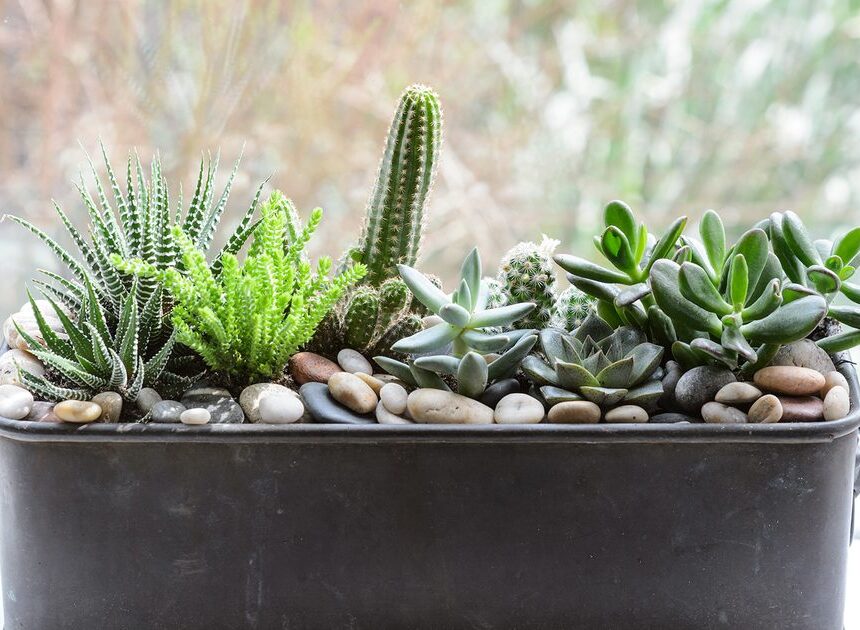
(166, 411)
(437, 406)
(146, 398)
(804, 353)
(801, 409)
(699, 385)
(12, 360)
(111, 404)
(352, 392)
(384, 416)
(217, 401)
(308, 367)
(831, 380)
(42, 412)
(766, 409)
(252, 395)
(77, 411)
(281, 409)
(738, 393)
(574, 412)
(718, 413)
(836, 403)
(353, 361)
(325, 409)
(518, 409)
(670, 382)
(673, 418)
(374, 382)
(15, 402)
(394, 396)
(197, 415)
(789, 380)
(498, 390)
(626, 413)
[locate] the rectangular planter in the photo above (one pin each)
(321, 526)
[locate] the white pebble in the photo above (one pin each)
(352, 361)
(280, 409)
(13, 361)
(15, 402)
(384, 416)
(197, 415)
(836, 403)
(518, 409)
(394, 397)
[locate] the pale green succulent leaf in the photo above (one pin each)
(425, 291)
(427, 340)
(501, 316)
(506, 365)
(472, 375)
(792, 321)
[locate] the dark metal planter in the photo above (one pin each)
(322, 526)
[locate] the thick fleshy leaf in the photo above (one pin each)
(441, 364)
(472, 375)
(848, 315)
(753, 246)
(791, 265)
(455, 315)
(582, 268)
(432, 338)
(645, 395)
(667, 242)
(618, 214)
(665, 288)
(617, 249)
(848, 246)
(425, 291)
(632, 294)
(501, 316)
(646, 358)
(733, 340)
(766, 303)
(823, 279)
(738, 281)
(604, 396)
(470, 273)
(573, 376)
(554, 395)
(593, 327)
(798, 239)
(397, 369)
(538, 371)
(507, 364)
(697, 287)
(483, 342)
(840, 342)
(617, 374)
(463, 297)
(714, 352)
(713, 239)
(790, 322)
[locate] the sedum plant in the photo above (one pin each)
(608, 367)
(730, 306)
(382, 310)
(246, 321)
(631, 252)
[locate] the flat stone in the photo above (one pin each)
(626, 414)
(673, 418)
(15, 402)
(738, 393)
(700, 385)
(217, 401)
(194, 416)
(766, 409)
(804, 353)
(718, 413)
(308, 367)
(518, 409)
(42, 412)
(325, 409)
(498, 390)
(77, 411)
(831, 380)
(384, 416)
(251, 396)
(166, 411)
(789, 380)
(836, 403)
(393, 397)
(801, 408)
(146, 398)
(111, 404)
(281, 409)
(352, 392)
(353, 361)
(436, 406)
(13, 360)
(574, 412)
(669, 381)
(375, 383)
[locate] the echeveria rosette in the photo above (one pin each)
(631, 251)
(598, 363)
(465, 318)
(823, 267)
(730, 307)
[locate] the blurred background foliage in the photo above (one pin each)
(552, 108)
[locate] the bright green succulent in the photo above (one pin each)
(729, 306)
(608, 367)
(631, 251)
(465, 318)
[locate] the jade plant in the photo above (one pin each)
(248, 320)
(382, 310)
(730, 306)
(595, 362)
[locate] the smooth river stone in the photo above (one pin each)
(111, 404)
(673, 418)
(804, 353)
(831, 380)
(166, 411)
(42, 412)
(718, 413)
(308, 367)
(281, 409)
(384, 416)
(12, 360)
(15, 402)
(326, 410)
(146, 398)
(670, 382)
(801, 409)
(353, 361)
(574, 412)
(766, 409)
(700, 385)
(789, 380)
(626, 414)
(836, 403)
(518, 409)
(498, 390)
(375, 383)
(251, 396)
(352, 392)
(217, 401)
(738, 393)
(77, 411)
(198, 415)
(436, 406)
(393, 397)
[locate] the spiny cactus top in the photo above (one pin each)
(395, 212)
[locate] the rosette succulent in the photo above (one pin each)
(608, 367)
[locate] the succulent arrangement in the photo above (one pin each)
(675, 328)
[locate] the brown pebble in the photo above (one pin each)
(789, 380)
(574, 412)
(801, 408)
(375, 383)
(766, 409)
(308, 367)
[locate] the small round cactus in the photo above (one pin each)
(571, 308)
(526, 274)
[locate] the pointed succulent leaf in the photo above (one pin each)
(501, 316)
(632, 294)
(697, 287)
(799, 241)
(428, 379)
(472, 375)
(790, 322)
(645, 395)
(470, 272)
(463, 297)
(667, 242)
(646, 358)
(573, 376)
(738, 281)
(432, 338)
(425, 291)
(506, 365)
(604, 396)
(442, 364)
(397, 369)
(483, 342)
(616, 374)
(538, 371)
(665, 288)
(713, 239)
(582, 268)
